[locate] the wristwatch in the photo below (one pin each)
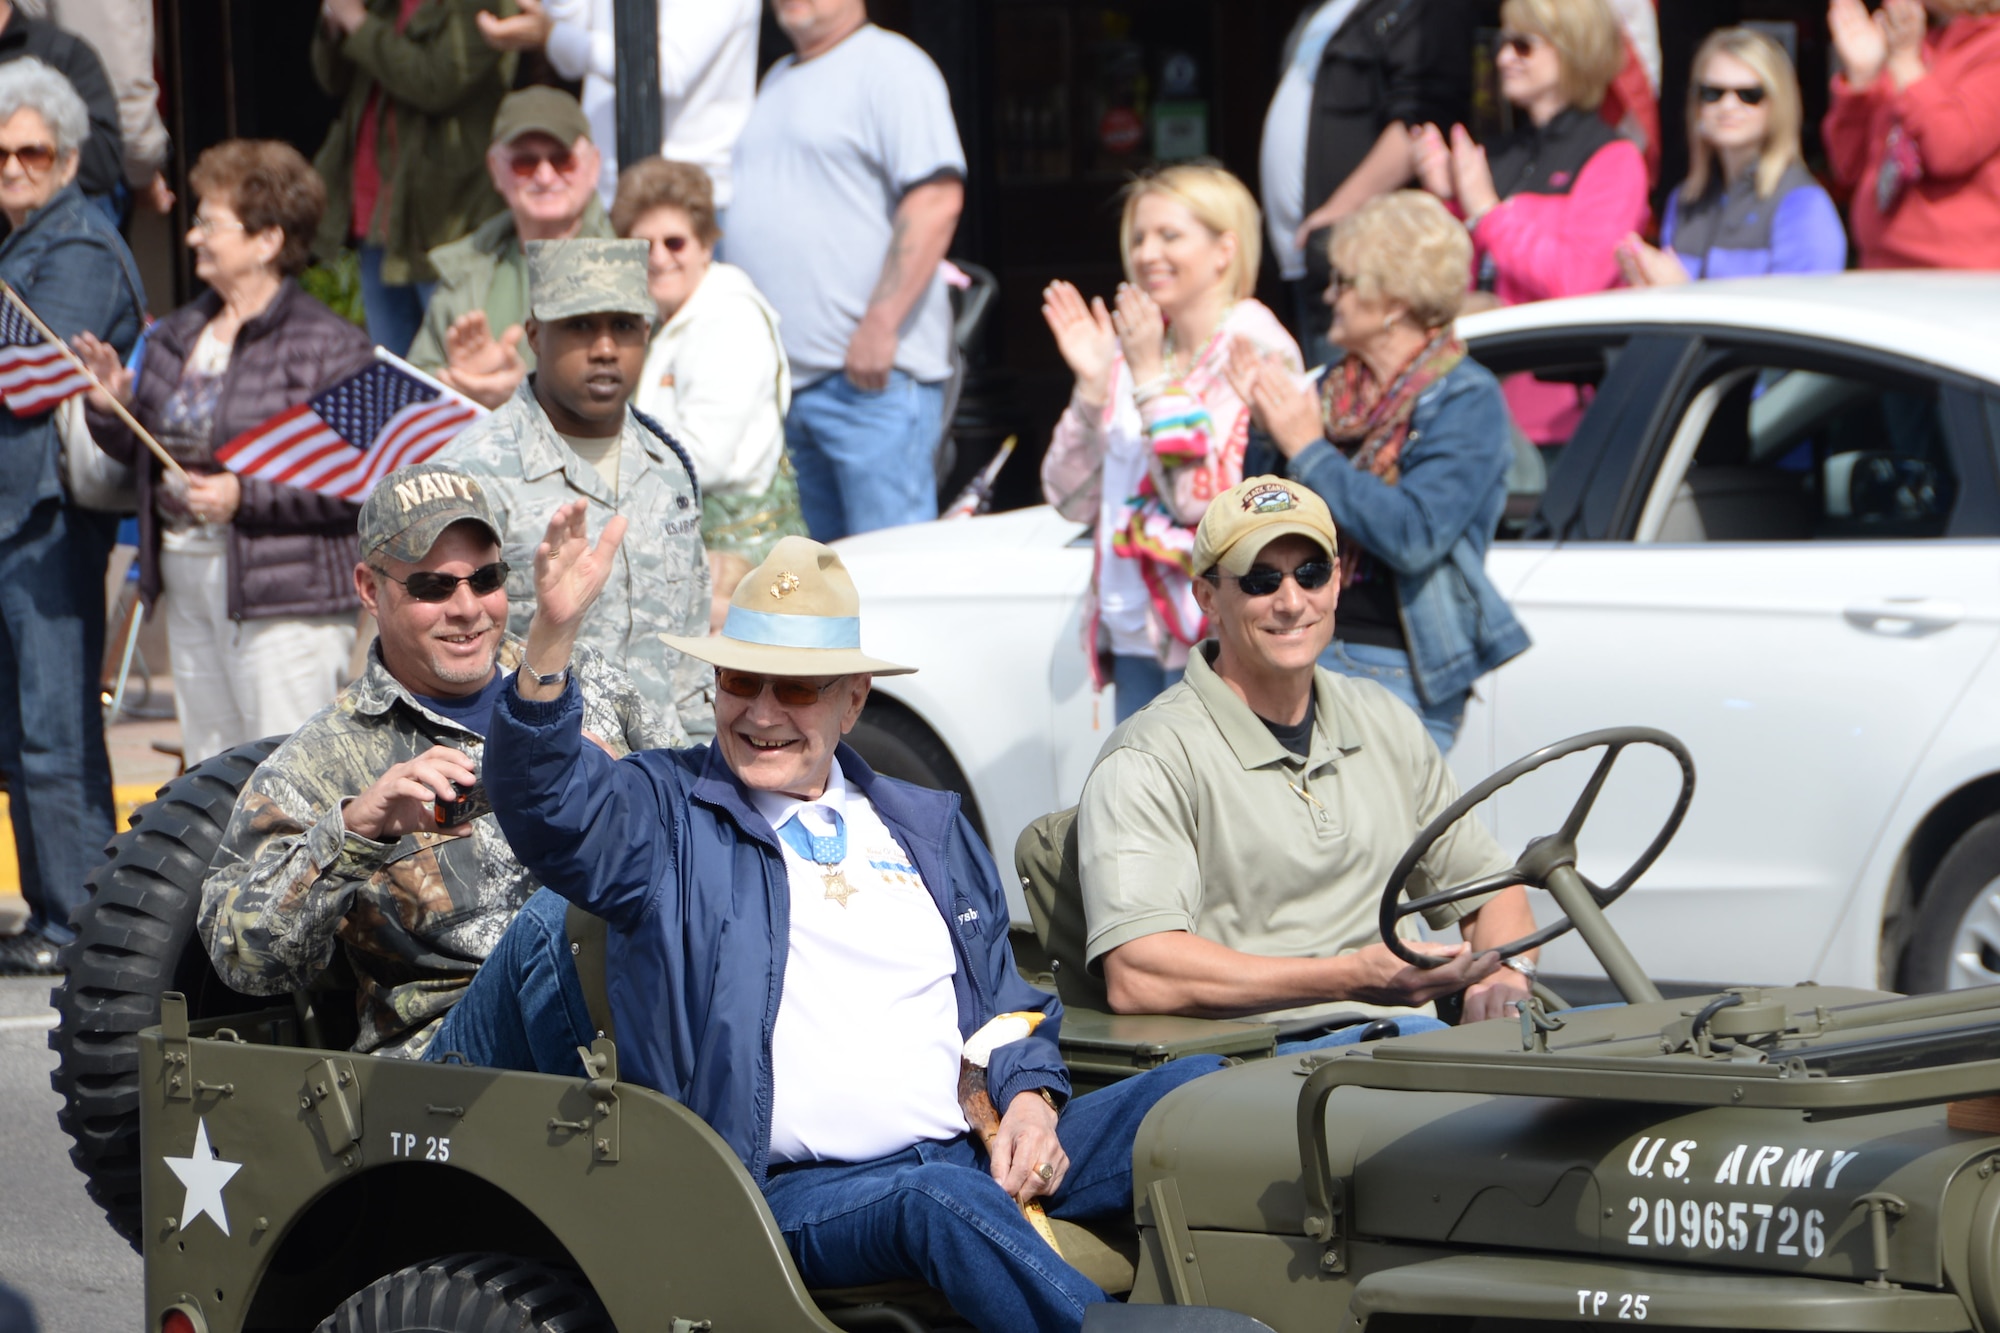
(1050, 1098)
(1525, 966)
(557, 677)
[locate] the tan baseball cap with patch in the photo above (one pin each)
(797, 614)
(1252, 514)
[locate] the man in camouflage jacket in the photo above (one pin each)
(569, 433)
(333, 844)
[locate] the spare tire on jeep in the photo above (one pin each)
(135, 939)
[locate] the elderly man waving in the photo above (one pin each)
(799, 950)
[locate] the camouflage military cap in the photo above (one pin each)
(587, 276)
(411, 507)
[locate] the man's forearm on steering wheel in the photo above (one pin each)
(1176, 972)
(1500, 920)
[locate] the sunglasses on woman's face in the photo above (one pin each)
(429, 586)
(1522, 44)
(1262, 580)
(1751, 96)
(789, 690)
(674, 244)
(525, 165)
(35, 158)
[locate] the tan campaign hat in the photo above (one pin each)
(1252, 514)
(797, 614)
(411, 507)
(540, 110)
(588, 275)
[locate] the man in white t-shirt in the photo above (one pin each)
(849, 181)
(800, 949)
(708, 73)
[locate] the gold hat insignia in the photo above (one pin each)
(784, 585)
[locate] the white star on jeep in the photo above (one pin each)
(204, 1173)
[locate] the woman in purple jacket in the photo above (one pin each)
(1748, 206)
(257, 577)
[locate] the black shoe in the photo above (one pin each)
(29, 954)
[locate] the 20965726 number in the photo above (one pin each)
(1759, 1228)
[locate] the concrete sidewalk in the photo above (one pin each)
(137, 771)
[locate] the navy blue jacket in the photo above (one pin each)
(1433, 526)
(667, 848)
(72, 268)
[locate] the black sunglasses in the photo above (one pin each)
(429, 586)
(1262, 580)
(1521, 44)
(1710, 94)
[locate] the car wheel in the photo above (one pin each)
(473, 1293)
(135, 939)
(1956, 942)
(897, 744)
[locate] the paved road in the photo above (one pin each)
(54, 1244)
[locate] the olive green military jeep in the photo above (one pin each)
(1799, 1158)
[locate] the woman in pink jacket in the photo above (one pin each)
(1549, 204)
(1153, 430)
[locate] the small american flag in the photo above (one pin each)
(345, 439)
(34, 374)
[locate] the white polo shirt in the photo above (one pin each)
(866, 1050)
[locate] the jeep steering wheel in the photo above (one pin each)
(1549, 863)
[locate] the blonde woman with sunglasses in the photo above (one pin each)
(1749, 206)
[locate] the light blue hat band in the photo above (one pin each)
(776, 631)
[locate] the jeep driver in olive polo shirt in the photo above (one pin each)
(1237, 832)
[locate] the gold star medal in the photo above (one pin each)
(827, 853)
(837, 887)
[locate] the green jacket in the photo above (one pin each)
(441, 85)
(487, 271)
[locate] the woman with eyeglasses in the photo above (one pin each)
(72, 269)
(1154, 430)
(1408, 442)
(715, 375)
(1914, 130)
(1548, 205)
(1749, 206)
(256, 578)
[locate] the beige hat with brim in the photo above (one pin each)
(797, 614)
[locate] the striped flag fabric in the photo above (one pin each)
(346, 438)
(34, 374)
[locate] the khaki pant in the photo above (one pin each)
(237, 681)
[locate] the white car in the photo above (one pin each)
(1775, 534)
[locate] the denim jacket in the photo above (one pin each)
(72, 268)
(1433, 526)
(667, 848)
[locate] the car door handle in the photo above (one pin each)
(1907, 617)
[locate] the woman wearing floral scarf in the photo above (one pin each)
(1408, 441)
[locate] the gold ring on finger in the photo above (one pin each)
(1046, 1172)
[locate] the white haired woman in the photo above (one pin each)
(70, 266)
(1748, 206)
(1154, 431)
(1408, 442)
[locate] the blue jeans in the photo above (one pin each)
(525, 1007)
(1137, 682)
(1407, 1025)
(51, 715)
(395, 313)
(932, 1213)
(865, 460)
(1390, 668)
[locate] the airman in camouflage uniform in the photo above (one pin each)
(661, 583)
(415, 914)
